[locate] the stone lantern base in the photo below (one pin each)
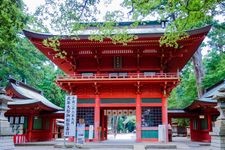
(218, 136)
(6, 135)
(6, 143)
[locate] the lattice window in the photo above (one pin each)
(151, 116)
(86, 113)
(195, 124)
(87, 74)
(117, 52)
(204, 124)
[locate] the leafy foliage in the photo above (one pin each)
(186, 91)
(107, 30)
(125, 123)
(12, 20)
(64, 14)
(24, 62)
(215, 60)
(216, 69)
(182, 15)
(49, 87)
(18, 57)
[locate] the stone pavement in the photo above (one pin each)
(181, 143)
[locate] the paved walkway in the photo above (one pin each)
(182, 143)
(185, 143)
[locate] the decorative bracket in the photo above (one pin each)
(96, 86)
(138, 85)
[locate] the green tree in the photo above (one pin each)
(19, 58)
(25, 62)
(130, 123)
(215, 59)
(49, 86)
(184, 94)
(12, 20)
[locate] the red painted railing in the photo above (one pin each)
(122, 76)
(18, 139)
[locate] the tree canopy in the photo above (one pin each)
(12, 20)
(180, 15)
(19, 59)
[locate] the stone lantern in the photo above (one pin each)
(6, 135)
(218, 133)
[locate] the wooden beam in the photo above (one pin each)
(96, 88)
(96, 56)
(138, 59)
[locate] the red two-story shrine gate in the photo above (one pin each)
(137, 76)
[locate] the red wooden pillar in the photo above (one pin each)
(103, 124)
(170, 121)
(209, 119)
(105, 127)
(165, 115)
(191, 127)
(138, 118)
(30, 127)
(97, 118)
(51, 129)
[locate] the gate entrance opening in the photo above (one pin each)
(118, 124)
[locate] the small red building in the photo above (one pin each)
(31, 115)
(205, 114)
(134, 77)
(202, 114)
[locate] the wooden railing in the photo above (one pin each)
(19, 138)
(122, 76)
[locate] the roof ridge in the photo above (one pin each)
(25, 85)
(215, 85)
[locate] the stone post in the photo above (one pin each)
(6, 135)
(218, 133)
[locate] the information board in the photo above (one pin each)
(70, 115)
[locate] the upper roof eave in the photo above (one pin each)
(31, 103)
(32, 96)
(202, 102)
(145, 32)
(176, 111)
(23, 102)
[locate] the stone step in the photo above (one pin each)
(96, 146)
(118, 146)
(160, 146)
(36, 144)
(6, 143)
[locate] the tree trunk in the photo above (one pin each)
(198, 69)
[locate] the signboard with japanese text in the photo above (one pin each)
(70, 115)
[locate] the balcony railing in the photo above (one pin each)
(120, 76)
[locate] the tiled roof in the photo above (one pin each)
(151, 31)
(208, 96)
(30, 96)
